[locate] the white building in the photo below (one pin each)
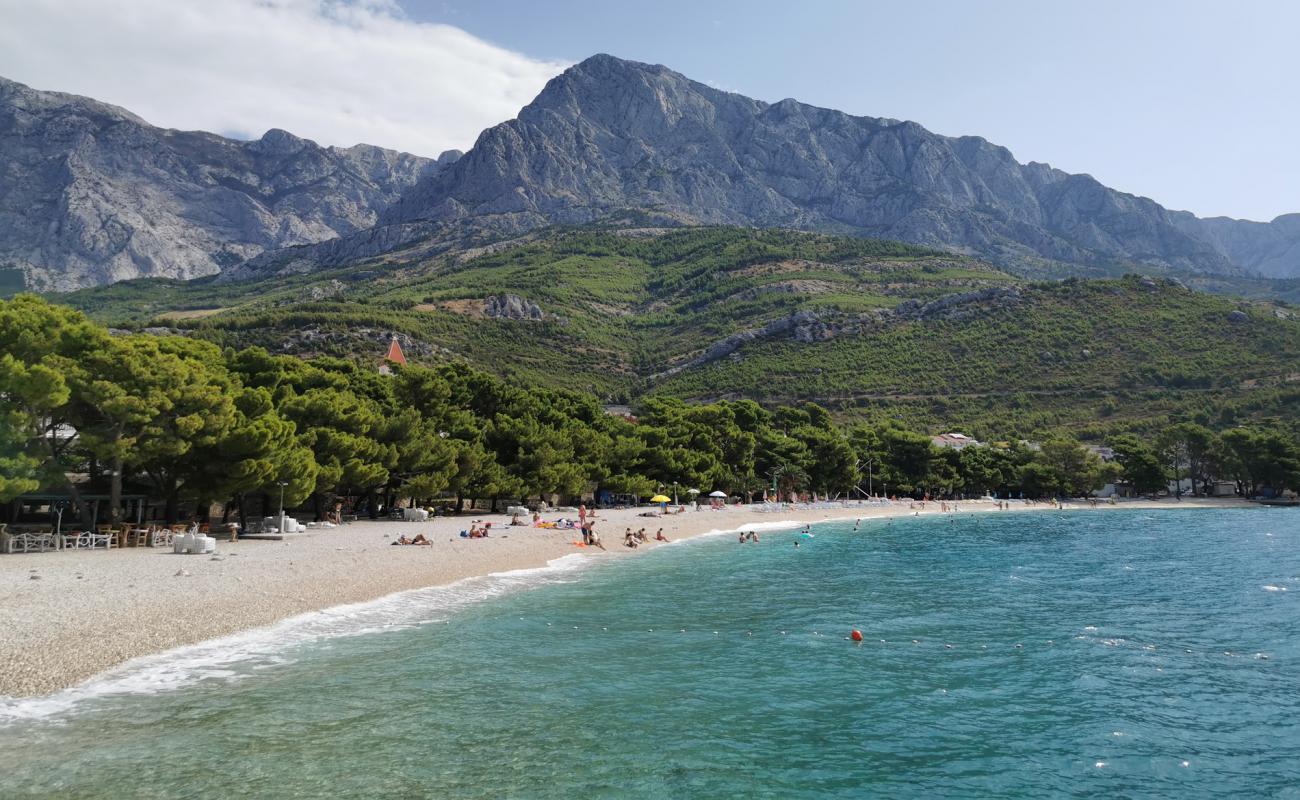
(956, 441)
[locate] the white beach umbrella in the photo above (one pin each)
(717, 494)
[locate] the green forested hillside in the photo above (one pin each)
(870, 329)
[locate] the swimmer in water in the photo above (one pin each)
(796, 544)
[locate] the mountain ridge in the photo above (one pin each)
(94, 194)
(645, 136)
(603, 138)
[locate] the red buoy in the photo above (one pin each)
(856, 635)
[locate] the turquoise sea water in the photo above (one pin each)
(1133, 654)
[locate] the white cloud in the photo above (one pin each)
(337, 71)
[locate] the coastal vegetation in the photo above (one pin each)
(873, 331)
(192, 423)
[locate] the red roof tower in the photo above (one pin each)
(393, 356)
(395, 352)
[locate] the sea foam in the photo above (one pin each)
(238, 655)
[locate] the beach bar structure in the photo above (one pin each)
(44, 509)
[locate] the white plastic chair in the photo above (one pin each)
(99, 539)
(75, 540)
(27, 542)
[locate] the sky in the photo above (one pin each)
(1190, 102)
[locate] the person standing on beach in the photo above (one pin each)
(582, 514)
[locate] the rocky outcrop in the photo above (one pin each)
(802, 320)
(330, 290)
(958, 306)
(512, 306)
(810, 326)
(92, 194)
(610, 134)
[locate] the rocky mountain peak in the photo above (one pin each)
(610, 134)
(93, 194)
(280, 143)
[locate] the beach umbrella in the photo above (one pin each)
(661, 500)
(692, 491)
(717, 494)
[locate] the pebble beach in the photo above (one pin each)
(67, 616)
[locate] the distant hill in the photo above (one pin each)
(869, 328)
(92, 194)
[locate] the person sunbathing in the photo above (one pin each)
(629, 539)
(419, 539)
(659, 536)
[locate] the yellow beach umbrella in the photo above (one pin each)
(661, 499)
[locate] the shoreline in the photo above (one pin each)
(67, 617)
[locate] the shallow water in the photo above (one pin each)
(1024, 655)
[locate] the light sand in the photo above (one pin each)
(66, 616)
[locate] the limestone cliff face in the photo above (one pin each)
(611, 134)
(92, 194)
(1266, 249)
